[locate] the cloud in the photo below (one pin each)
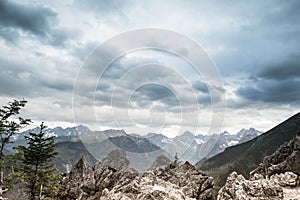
(154, 92)
(34, 19)
(21, 79)
(276, 82)
(282, 71)
(272, 91)
(82, 50)
(45, 42)
(11, 36)
(202, 87)
(60, 36)
(105, 7)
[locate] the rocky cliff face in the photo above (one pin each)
(276, 178)
(167, 182)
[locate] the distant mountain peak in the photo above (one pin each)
(82, 128)
(190, 147)
(187, 133)
(225, 133)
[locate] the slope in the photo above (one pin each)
(244, 157)
(69, 153)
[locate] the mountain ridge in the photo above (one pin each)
(244, 157)
(98, 144)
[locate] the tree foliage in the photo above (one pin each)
(38, 171)
(176, 162)
(10, 124)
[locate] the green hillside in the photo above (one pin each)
(70, 153)
(245, 157)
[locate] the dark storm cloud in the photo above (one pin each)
(270, 57)
(257, 33)
(36, 20)
(288, 70)
(272, 91)
(277, 83)
(154, 92)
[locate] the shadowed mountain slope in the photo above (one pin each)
(245, 157)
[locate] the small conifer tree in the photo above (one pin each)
(38, 171)
(176, 161)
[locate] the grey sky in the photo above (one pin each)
(254, 44)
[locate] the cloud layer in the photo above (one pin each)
(253, 44)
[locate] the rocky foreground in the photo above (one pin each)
(275, 179)
(168, 182)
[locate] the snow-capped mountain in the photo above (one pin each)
(56, 132)
(197, 147)
(188, 146)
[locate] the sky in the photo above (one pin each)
(48, 48)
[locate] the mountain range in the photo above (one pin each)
(74, 142)
(194, 148)
(276, 177)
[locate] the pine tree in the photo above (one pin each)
(38, 171)
(10, 124)
(176, 161)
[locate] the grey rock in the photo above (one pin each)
(285, 179)
(285, 158)
(81, 176)
(167, 182)
(237, 187)
(276, 178)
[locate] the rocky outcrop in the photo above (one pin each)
(284, 159)
(237, 187)
(276, 178)
(168, 182)
(86, 182)
(193, 183)
(287, 179)
(277, 187)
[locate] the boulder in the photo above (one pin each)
(237, 187)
